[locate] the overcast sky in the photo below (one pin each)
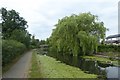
(42, 15)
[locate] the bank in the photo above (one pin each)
(47, 67)
(103, 60)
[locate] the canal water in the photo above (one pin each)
(89, 66)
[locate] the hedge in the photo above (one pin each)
(10, 50)
(108, 48)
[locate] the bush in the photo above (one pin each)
(118, 48)
(10, 50)
(32, 47)
(108, 48)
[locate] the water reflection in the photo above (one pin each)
(88, 66)
(112, 72)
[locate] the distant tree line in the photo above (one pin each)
(77, 35)
(15, 38)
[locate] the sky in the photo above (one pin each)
(42, 15)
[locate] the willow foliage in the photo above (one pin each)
(77, 34)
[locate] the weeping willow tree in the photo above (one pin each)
(77, 35)
(88, 43)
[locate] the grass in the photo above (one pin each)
(112, 54)
(34, 71)
(102, 59)
(48, 67)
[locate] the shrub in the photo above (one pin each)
(118, 49)
(108, 48)
(10, 50)
(32, 47)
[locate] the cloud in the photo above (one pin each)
(42, 15)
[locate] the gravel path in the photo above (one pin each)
(20, 68)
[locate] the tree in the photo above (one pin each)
(16, 39)
(87, 42)
(21, 36)
(35, 42)
(0, 30)
(14, 27)
(11, 21)
(42, 42)
(77, 34)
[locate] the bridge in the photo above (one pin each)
(44, 48)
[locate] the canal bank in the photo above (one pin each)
(103, 67)
(66, 66)
(49, 67)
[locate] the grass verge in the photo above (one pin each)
(34, 71)
(48, 67)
